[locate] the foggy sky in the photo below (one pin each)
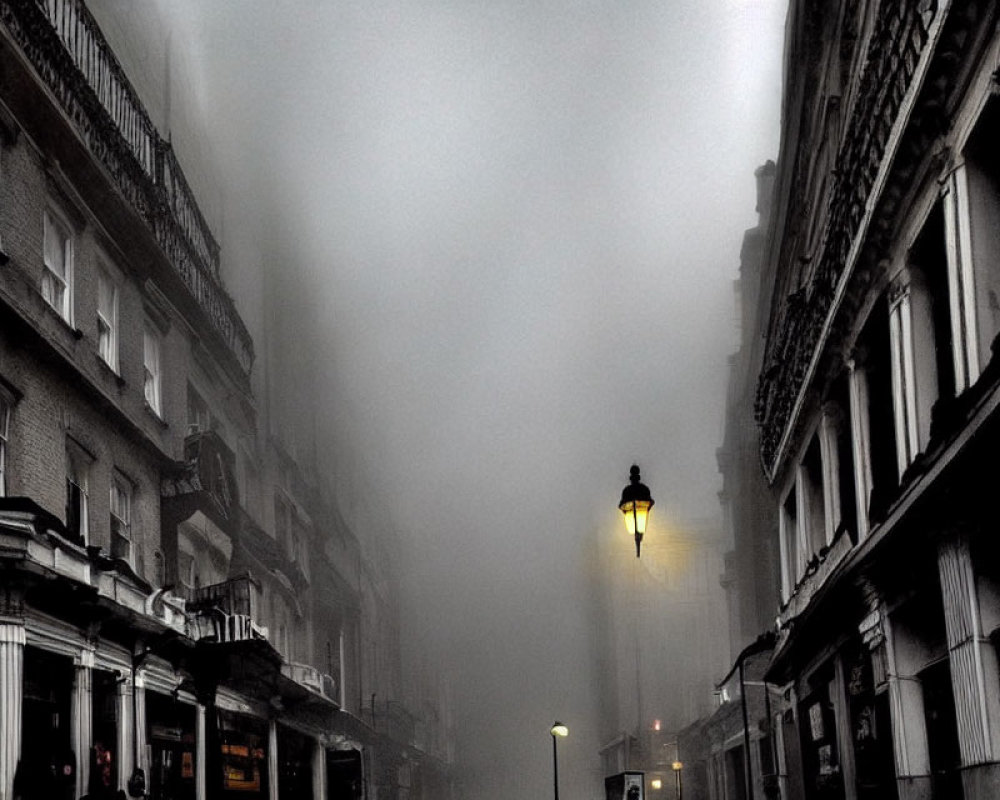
(519, 222)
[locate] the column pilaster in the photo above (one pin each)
(975, 676)
(201, 752)
(81, 722)
(272, 759)
(11, 695)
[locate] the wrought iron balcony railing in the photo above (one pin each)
(64, 44)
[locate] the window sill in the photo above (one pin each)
(110, 371)
(159, 420)
(76, 333)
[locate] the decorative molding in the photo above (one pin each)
(890, 132)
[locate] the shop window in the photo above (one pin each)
(942, 730)
(105, 719)
(170, 726)
(344, 774)
(47, 767)
(78, 463)
(818, 736)
(871, 726)
(294, 765)
(121, 518)
(107, 319)
(151, 370)
(243, 756)
(57, 276)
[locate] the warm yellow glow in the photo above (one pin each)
(636, 513)
(677, 766)
(560, 730)
(656, 724)
(656, 783)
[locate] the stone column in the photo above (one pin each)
(272, 759)
(975, 677)
(201, 753)
(81, 722)
(11, 695)
(319, 770)
(123, 744)
(138, 730)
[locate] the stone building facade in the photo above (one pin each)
(184, 611)
(878, 402)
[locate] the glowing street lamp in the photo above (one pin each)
(635, 506)
(557, 730)
(677, 766)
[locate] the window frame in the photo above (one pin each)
(111, 358)
(78, 475)
(54, 221)
(152, 369)
(6, 407)
(124, 522)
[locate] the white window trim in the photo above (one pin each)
(860, 442)
(52, 220)
(77, 473)
(111, 358)
(152, 369)
(830, 459)
(125, 489)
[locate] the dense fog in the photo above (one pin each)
(516, 226)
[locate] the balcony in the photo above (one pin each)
(312, 679)
(205, 482)
(227, 611)
(70, 55)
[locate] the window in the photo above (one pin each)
(107, 320)
(5, 406)
(121, 519)
(57, 279)
(77, 499)
(282, 525)
(151, 370)
(199, 418)
(788, 540)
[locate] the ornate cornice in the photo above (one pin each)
(847, 265)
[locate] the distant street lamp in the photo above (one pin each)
(677, 766)
(557, 730)
(635, 506)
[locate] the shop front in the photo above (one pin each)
(172, 751)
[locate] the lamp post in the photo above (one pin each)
(635, 506)
(557, 730)
(677, 766)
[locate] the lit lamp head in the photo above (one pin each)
(635, 505)
(558, 729)
(677, 766)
